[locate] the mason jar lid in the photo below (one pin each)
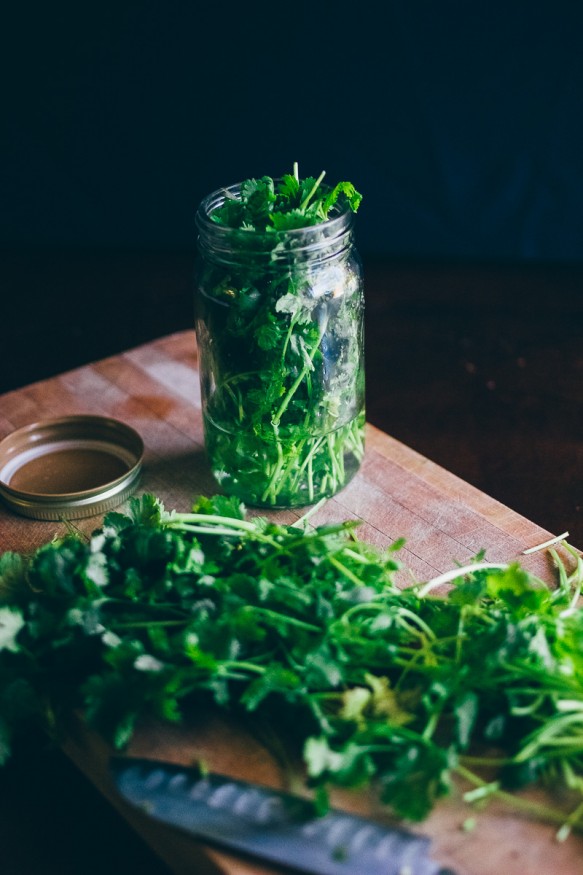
(71, 467)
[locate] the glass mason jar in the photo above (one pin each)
(280, 334)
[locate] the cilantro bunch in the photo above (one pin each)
(306, 631)
(280, 335)
(285, 204)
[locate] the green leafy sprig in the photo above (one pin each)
(268, 204)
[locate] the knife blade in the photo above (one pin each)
(276, 827)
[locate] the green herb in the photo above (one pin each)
(306, 630)
(280, 336)
(286, 204)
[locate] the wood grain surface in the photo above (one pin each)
(397, 493)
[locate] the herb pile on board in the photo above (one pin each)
(280, 331)
(395, 689)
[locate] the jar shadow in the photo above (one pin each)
(178, 480)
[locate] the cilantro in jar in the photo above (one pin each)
(280, 334)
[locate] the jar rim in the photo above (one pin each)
(338, 223)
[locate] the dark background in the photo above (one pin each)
(460, 122)
(461, 125)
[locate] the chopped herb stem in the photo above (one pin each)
(298, 381)
(449, 576)
(344, 570)
(147, 624)
(312, 191)
(286, 619)
(535, 809)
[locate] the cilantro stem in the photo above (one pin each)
(565, 830)
(299, 379)
(312, 191)
(307, 463)
(344, 570)
(416, 619)
(276, 474)
(242, 665)
(546, 737)
(204, 518)
(456, 573)
(459, 638)
(358, 557)
(523, 710)
(466, 759)
(482, 791)
(318, 534)
(301, 522)
(197, 523)
(284, 618)
(290, 331)
(217, 530)
(566, 582)
(376, 607)
(536, 809)
(147, 624)
(431, 726)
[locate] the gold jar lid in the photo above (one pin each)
(71, 467)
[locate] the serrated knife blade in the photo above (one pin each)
(272, 826)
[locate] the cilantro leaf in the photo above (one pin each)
(12, 575)
(288, 203)
(11, 622)
(345, 189)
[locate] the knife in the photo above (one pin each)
(275, 827)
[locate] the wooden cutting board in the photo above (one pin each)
(397, 493)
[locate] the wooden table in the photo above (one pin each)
(397, 493)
